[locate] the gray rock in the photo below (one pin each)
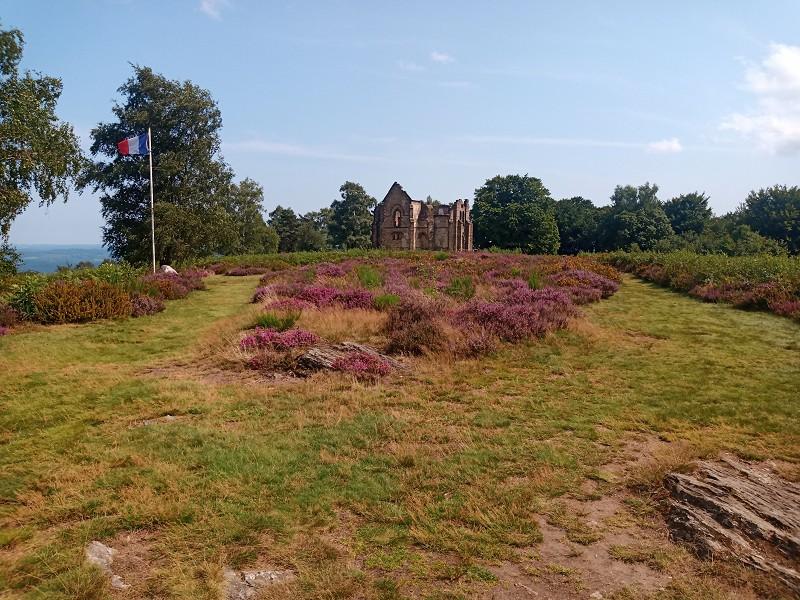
(102, 556)
(244, 585)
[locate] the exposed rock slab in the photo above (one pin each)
(323, 357)
(244, 585)
(732, 508)
(102, 556)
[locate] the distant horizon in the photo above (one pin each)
(698, 97)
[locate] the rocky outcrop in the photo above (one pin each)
(735, 509)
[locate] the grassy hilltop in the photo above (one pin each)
(534, 465)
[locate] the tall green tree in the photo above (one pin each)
(775, 212)
(351, 218)
(312, 233)
(192, 182)
(245, 203)
(38, 153)
(286, 224)
(688, 212)
(515, 212)
(635, 220)
(577, 220)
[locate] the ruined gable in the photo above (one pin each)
(401, 223)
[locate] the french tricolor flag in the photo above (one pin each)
(134, 145)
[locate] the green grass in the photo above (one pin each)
(426, 480)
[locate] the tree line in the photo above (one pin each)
(518, 212)
(201, 209)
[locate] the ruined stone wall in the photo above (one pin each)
(400, 223)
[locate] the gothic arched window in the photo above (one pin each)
(396, 217)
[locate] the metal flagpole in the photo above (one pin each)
(152, 210)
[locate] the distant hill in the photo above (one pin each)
(46, 258)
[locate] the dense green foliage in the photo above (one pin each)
(199, 210)
(351, 218)
(775, 212)
(39, 154)
(515, 211)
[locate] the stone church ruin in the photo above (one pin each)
(400, 223)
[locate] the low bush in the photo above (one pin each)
(461, 288)
(262, 292)
(330, 270)
(362, 365)
(534, 281)
(166, 286)
(278, 340)
(4, 330)
(587, 279)
(289, 304)
(386, 301)
(143, 305)
(278, 322)
(62, 301)
(245, 271)
(414, 327)
(355, 298)
(8, 316)
(23, 293)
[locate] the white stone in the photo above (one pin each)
(168, 269)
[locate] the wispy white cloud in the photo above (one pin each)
(441, 58)
(405, 65)
(667, 146)
(213, 8)
(774, 122)
(260, 146)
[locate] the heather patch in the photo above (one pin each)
(278, 340)
(142, 305)
(761, 282)
(362, 365)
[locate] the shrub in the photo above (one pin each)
(441, 256)
(262, 292)
(244, 271)
(142, 305)
(22, 295)
(271, 360)
(330, 270)
(369, 276)
(290, 304)
(589, 279)
(476, 342)
(549, 310)
(386, 301)
(167, 286)
(271, 320)
(277, 340)
(355, 298)
(8, 316)
(78, 301)
(363, 365)
(414, 328)
(462, 288)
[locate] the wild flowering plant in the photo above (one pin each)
(4, 330)
(330, 270)
(362, 365)
(278, 340)
(588, 279)
(142, 305)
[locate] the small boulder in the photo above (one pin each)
(102, 556)
(169, 270)
(244, 585)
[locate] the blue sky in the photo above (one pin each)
(442, 95)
